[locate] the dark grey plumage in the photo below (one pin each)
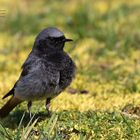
(47, 71)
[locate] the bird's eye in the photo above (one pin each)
(51, 39)
(42, 42)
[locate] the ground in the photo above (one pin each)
(103, 102)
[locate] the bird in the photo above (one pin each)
(47, 71)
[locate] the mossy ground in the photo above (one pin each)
(107, 54)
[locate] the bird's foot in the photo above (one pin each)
(29, 105)
(48, 106)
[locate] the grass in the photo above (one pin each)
(105, 102)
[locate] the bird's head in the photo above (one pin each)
(51, 38)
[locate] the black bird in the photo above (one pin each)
(47, 71)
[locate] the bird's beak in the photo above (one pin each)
(67, 40)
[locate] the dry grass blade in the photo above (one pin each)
(27, 133)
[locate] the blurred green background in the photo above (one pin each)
(106, 50)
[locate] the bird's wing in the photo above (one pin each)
(11, 92)
(24, 72)
(42, 79)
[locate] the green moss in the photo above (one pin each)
(106, 52)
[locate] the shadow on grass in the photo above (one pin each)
(13, 120)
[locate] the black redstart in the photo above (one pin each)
(47, 71)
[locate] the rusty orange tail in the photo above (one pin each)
(9, 106)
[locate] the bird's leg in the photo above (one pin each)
(29, 105)
(48, 100)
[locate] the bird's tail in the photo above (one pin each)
(9, 106)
